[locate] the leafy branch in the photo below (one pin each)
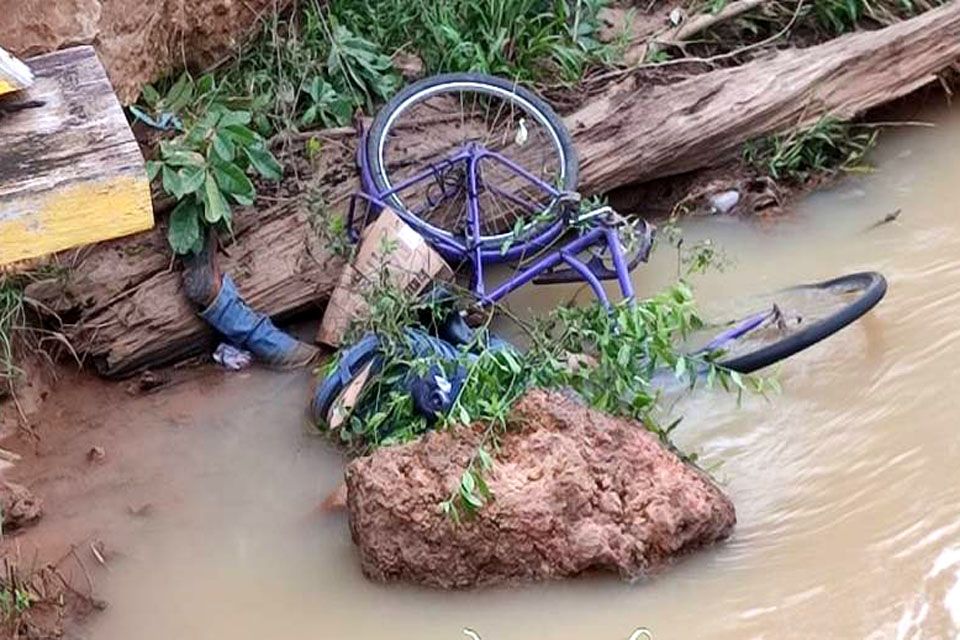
(207, 170)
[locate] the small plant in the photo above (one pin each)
(828, 147)
(326, 106)
(206, 171)
(608, 356)
(528, 40)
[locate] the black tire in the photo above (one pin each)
(497, 86)
(873, 287)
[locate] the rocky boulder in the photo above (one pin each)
(574, 491)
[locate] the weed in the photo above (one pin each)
(527, 40)
(608, 356)
(205, 170)
(828, 147)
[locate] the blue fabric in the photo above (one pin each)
(245, 328)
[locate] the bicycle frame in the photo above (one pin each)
(478, 255)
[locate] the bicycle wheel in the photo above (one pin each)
(432, 120)
(791, 320)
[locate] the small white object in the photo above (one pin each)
(676, 16)
(232, 358)
(409, 237)
(14, 72)
(522, 134)
(725, 201)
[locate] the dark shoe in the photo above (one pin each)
(201, 276)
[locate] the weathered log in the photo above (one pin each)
(652, 132)
(125, 298)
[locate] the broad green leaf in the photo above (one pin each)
(234, 182)
(191, 179)
(184, 159)
(234, 118)
(180, 94)
(241, 135)
(265, 164)
(153, 169)
(184, 231)
(224, 147)
(215, 207)
(172, 182)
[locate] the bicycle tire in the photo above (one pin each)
(873, 287)
(375, 140)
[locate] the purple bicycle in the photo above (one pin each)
(487, 173)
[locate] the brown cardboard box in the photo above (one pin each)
(388, 244)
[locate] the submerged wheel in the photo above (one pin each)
(802, 316)
(434, 119)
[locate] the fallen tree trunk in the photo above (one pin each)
(123, 298)
(653, 132)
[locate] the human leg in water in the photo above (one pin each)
(219, 303)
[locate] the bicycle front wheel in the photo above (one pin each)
(791, 320)
(432, 121)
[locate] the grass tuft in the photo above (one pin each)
(827, 148)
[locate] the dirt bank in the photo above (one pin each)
(138, 42)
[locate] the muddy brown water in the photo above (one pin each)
(847, 485)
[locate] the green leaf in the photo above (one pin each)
(265, 164)
(486, 462)
(172, 182)
(180, 94)
(153, 169)
(467, 482)
(184, 231)
(234, 182)
(224, 147)
(234, 118)
(191, 179)
(241, 135)
(150, 96)
(183, 159)
(215, 207)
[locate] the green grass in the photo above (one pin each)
(828, 147)
(318, 64)
(12, 321)
(528, 40)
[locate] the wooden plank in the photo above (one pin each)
(71, 172)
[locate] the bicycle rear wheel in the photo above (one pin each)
(789, 321)
(434, 119)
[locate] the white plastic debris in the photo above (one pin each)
(676, 16)
(232, 358)
(14, 75)
(522, 134)
(725, 201)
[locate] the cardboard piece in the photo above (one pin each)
(388, 244)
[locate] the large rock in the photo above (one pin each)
(137, 41)
(575, 490)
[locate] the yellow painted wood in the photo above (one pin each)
(71, 172)
(6, 87)
(76, 215)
